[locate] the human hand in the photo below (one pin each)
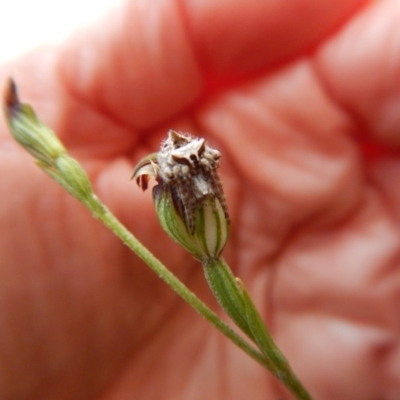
(301, 102)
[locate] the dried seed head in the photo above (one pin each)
(186, 170)
(188, 167)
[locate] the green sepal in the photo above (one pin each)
(225, 288)
(171, 221)
(211, 227)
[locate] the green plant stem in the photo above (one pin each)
(233, 297)
(276, 363)
(101, 212)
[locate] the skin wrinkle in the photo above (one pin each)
(364, 218)
(75, 103)
(224, 44)
(346, 336)
(382, 352)
(138, 110)
(378, 86)
(376, 182)
(148, 365)
(340, 315)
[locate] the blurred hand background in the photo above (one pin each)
(302, 98)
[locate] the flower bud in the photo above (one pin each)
(189, 198)
(72, 177)
(45, 146)
(28, 130)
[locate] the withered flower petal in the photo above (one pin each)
(146, 168)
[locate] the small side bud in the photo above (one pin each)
(28, 130)
(72, 177)
(44, 145)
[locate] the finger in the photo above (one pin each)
(360, 68)
(149, 60)
(136, 65)
(235, 37)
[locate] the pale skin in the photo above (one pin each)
(303, 102)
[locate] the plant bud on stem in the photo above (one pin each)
(189, 199)
(26, 128)
(43, 144)
(191, 206)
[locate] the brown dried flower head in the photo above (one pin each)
(188, 189)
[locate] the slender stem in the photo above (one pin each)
(103, 214)
(233, 297)
(282, 371)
